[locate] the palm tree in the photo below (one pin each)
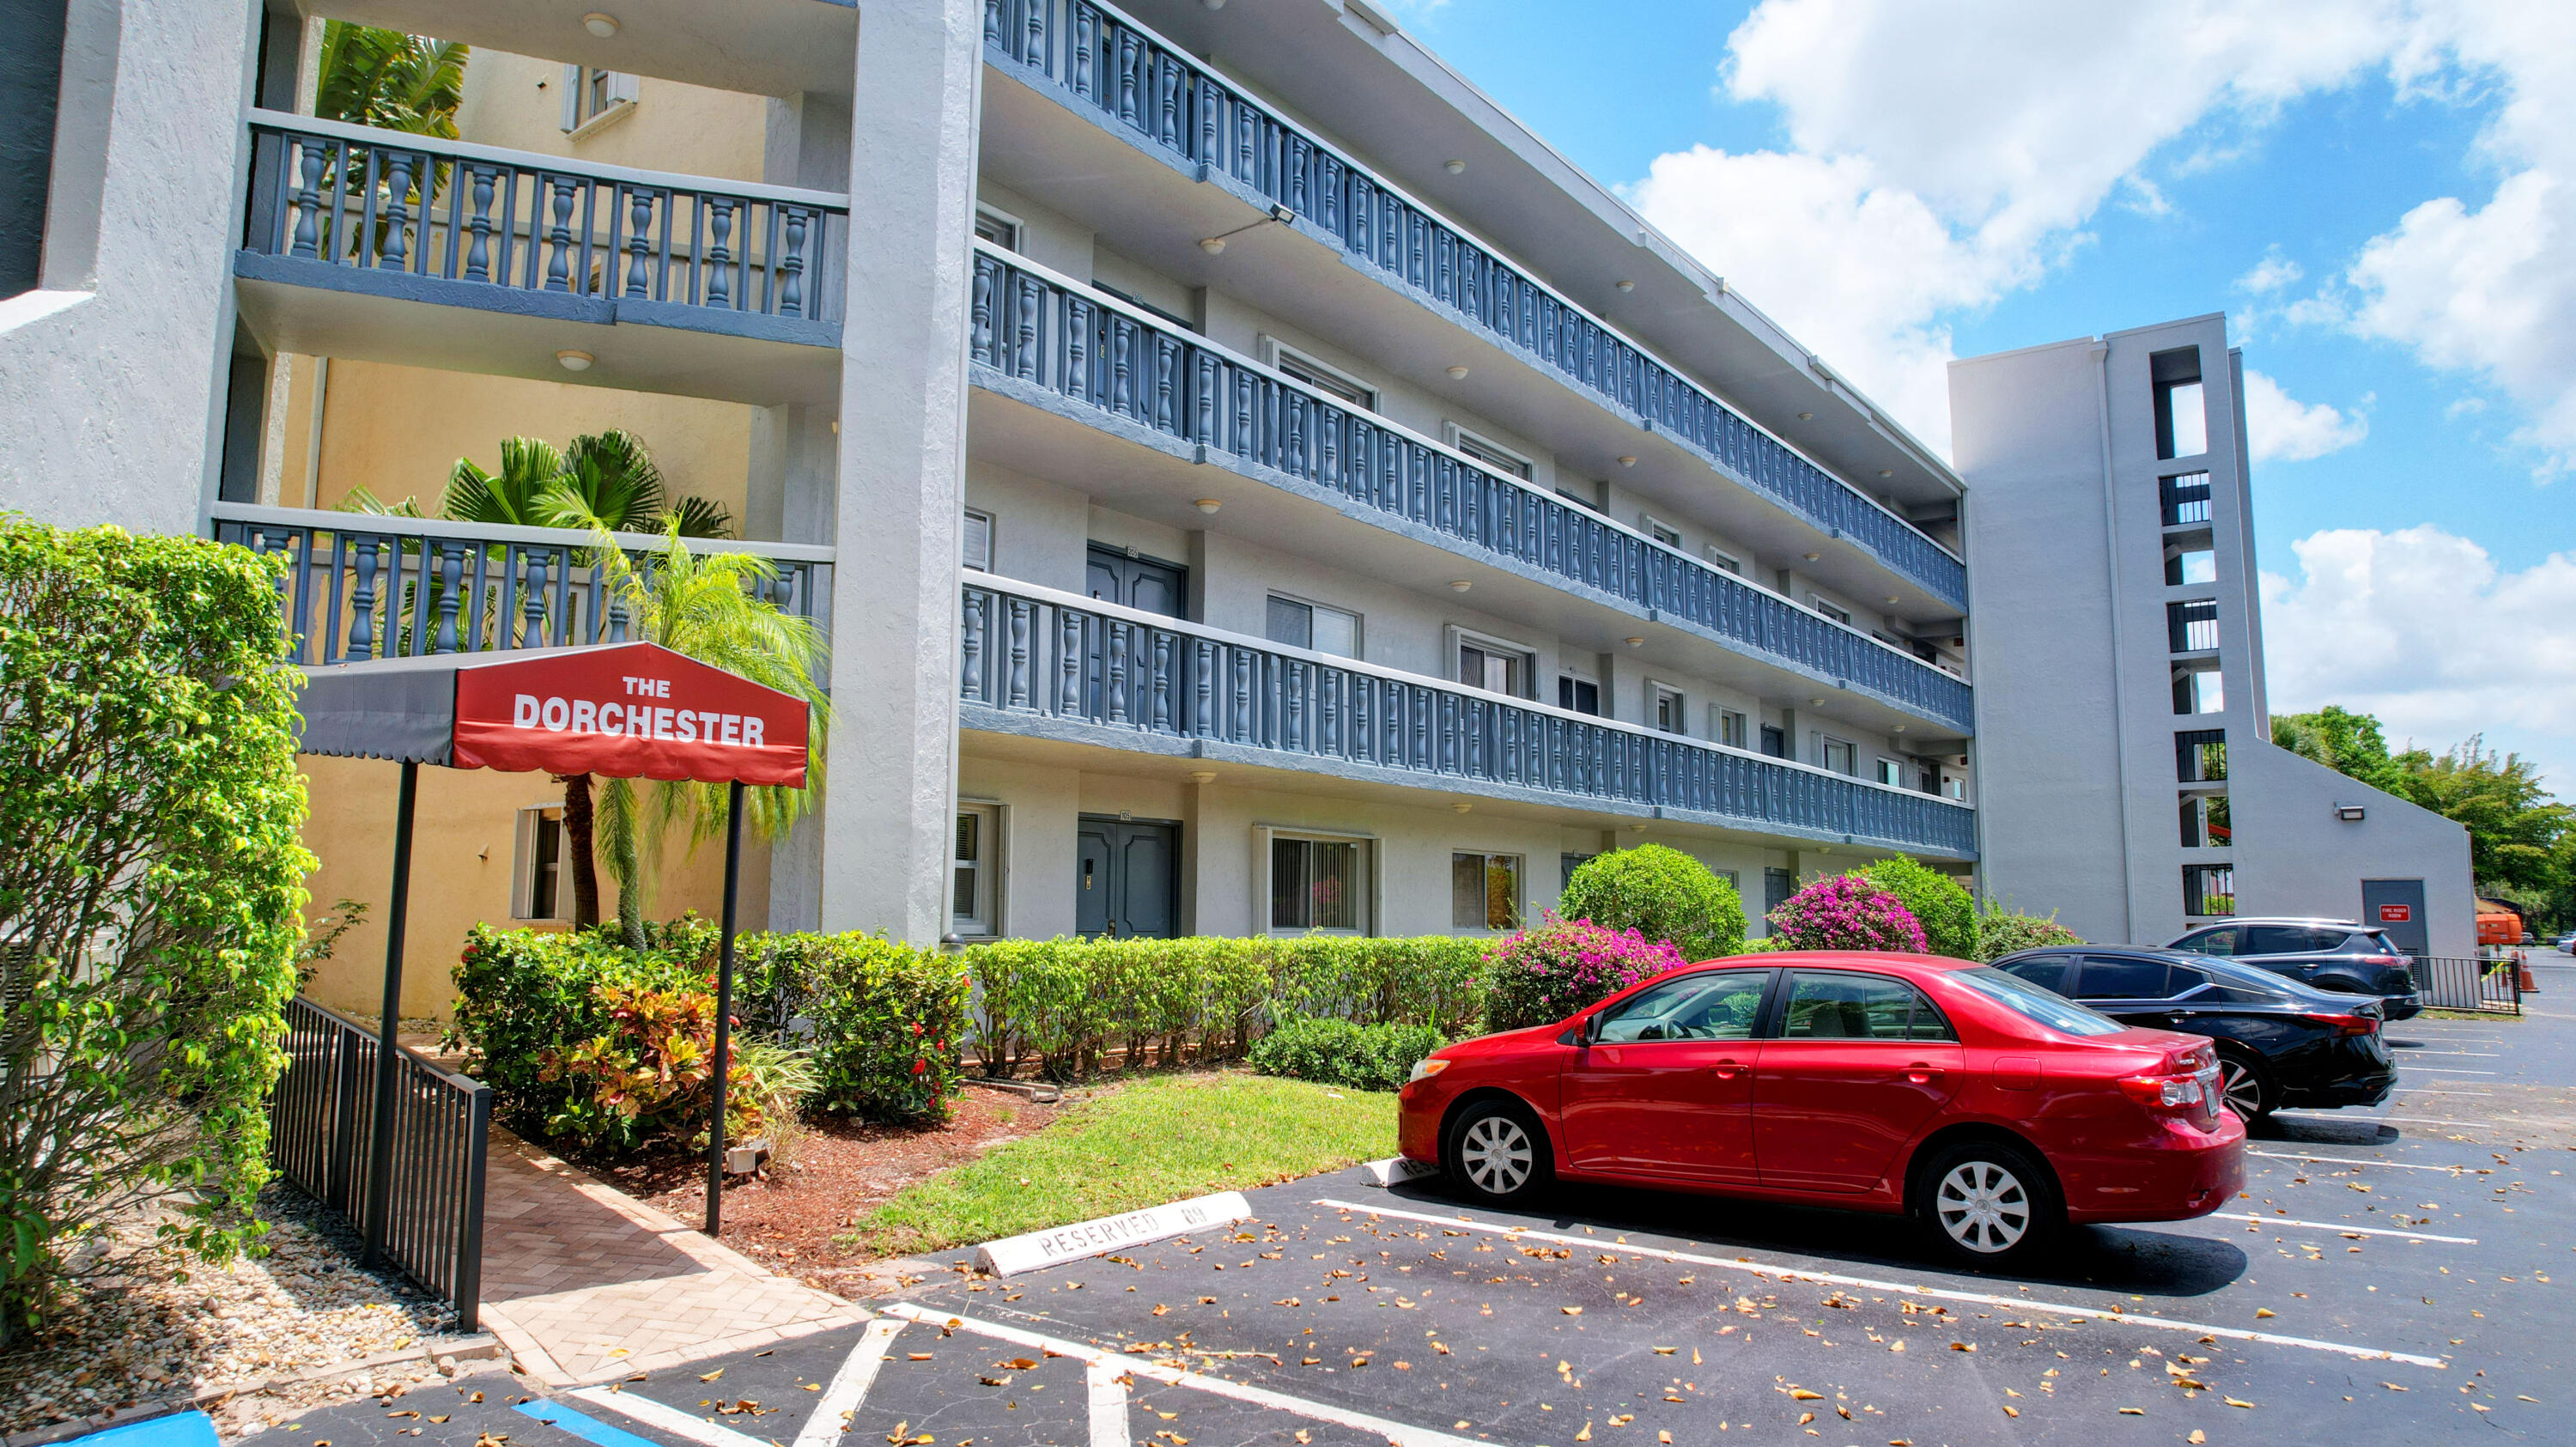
(389, 80)
(599, 480)
(715, 608)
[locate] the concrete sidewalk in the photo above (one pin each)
(583, 1282)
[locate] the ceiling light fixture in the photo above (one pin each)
(1806, 416)
(1887, 472)
(575, 361)
(600, 23)
(1453, 167)
(1627, 285)
(1209, 504)
(1212, 245)
(1636, 642)
(1896, 728)
(1892, 600)
(1458, 373)
(1811, 557)
(1627, 462)
(1460, 806)
(1202, 776)
(1459, 585)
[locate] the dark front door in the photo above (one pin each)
(1127, 879)
(2397, 907)
(1118, 576)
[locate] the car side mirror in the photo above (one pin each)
(1584, 1031)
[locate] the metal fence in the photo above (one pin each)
(2491, 986)
(321, 1128)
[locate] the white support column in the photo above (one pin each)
(901, 479)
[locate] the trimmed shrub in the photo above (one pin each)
(1945, 911)
(150, 878)
(523, 995)
(1545, 974)
(1337, 1052)
(1660, 893)
(2002, 931)
(1846, 912)
(650, 1076)
(887, 1021)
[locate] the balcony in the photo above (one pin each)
(1038, 338)
(665, 283)
(1038, 662)
(360, 586)
(1130, 84)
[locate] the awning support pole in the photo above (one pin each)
(380, 1137)
(724, 1011)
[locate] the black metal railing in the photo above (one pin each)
(322, 1125)
(2485, 986)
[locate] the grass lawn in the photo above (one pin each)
(1157, 1140)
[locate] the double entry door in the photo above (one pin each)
(1127, 878)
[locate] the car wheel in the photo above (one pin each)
(1497, 1151)
(2245, 1086)
(1990, 1203)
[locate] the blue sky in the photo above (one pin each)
(2381, 194)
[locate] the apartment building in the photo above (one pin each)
(1250, 483)
(2119, 620)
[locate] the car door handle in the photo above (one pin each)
(1923, 1072)
(1727, 1069)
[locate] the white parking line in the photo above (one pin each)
(2349, 1161)
(840, 1400)
(2428, 1090)
(2327, 1115)
(669, 1419)
(1978, 1298)
(2446, 1070)
(2339, 1226)
(1108, 1389)
(2481, 1054)
(1398, 1433)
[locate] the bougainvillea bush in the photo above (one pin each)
(1545, 974)
(1847, 912)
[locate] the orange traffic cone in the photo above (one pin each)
(2522, 967)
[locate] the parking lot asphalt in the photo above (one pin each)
(2389, 1275)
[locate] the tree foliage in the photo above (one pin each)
(1662, 894)
(2518, 833)
(150, 878)
(2348, 743)
(389, 80)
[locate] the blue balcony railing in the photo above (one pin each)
(1101, 62)
(1039, 330)
(1038, 660)
(355, 208)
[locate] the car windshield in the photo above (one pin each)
(2035, 1004)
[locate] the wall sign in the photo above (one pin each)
(2396, 913)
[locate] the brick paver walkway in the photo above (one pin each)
(583, 1282)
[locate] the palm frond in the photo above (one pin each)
(359, 499)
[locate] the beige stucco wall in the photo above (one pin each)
(463, 834)
(517, 101)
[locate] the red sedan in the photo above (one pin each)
(1972, 1100)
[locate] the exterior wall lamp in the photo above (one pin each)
(2349, 813)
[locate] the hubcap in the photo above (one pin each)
(1497, 1155)
(1983, 1207)
(2238, 1087)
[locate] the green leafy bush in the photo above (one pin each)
(524, 994)
(150, 878)
(1545, 974)
(651, 1076)
(888, 1021)
(1660, 893)
(1337, 1052)
(1938, 903)
(2002, 931)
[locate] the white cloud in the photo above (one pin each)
(2272, 273)
(2423, 629)
(2279, 427)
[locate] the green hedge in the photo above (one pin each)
(1063, 1005)
(888, 1021)
(1337, 1052)
(521, 994)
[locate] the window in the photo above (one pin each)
(595, 97)
(1839, 615)
(1492, 454)
(1660, 531)
(1840, 757)
(2033, 1003)
(2289, 939)
(1954, 787)
(2199, 691)
(1494, 665)
(1666, 709)
(998, 227)
(1836, 1006)
(1142, 305)
(1891, 773)
(1319, 884)
(2208, 889)
(2188, 565)
(2184, 498)
(1725, 562)
(978, 545)
(1578, 499)
(1577, 694)
(2204, 822)
(1331, 381)
(1485, 891)
(1300, 624)
(2121, 977)
(2219, 942)
(1729, 728)
(2182, 418)
(2053, 973)
(2200, 756)
(973, 877)
(2192, 627)
(1714, 1005)
(540, 889)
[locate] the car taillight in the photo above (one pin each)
(2188, 1085)
(2349, 1024)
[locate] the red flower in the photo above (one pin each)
(916, 1029)
(919, 1066)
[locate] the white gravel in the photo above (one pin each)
(141, 1335)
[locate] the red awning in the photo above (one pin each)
(621, 710)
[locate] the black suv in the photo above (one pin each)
(2330, 954)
